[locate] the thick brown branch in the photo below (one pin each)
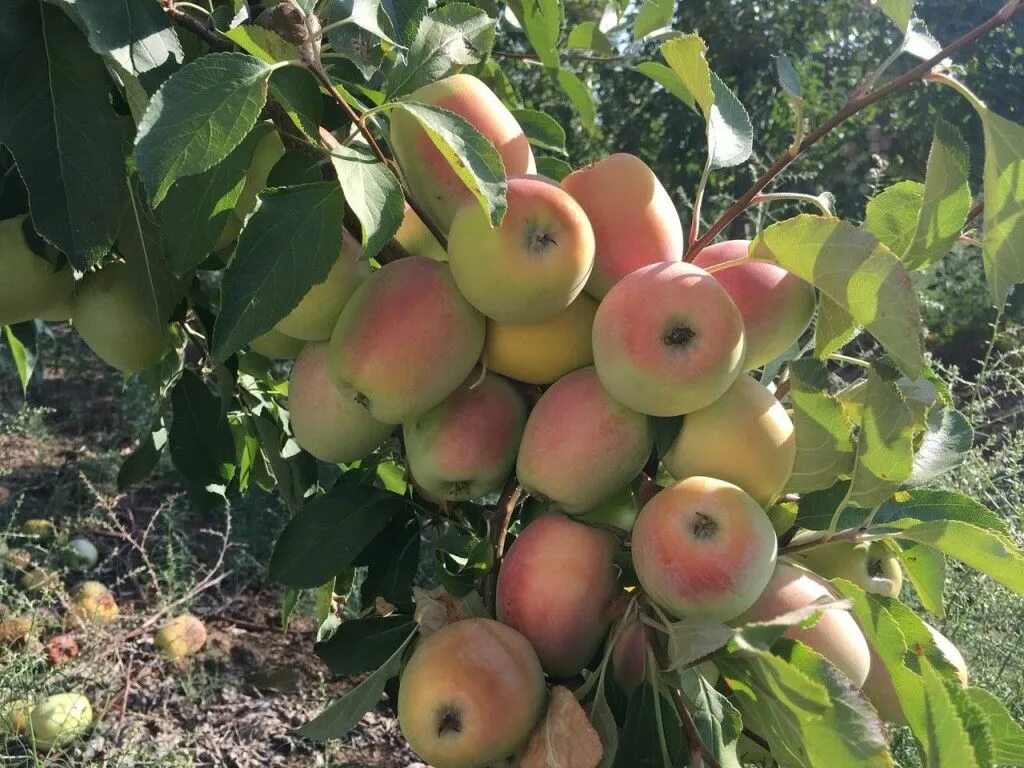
(975, 212)
(499, 532)
(700, 753)
(854, 105)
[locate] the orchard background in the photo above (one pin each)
(186, 480)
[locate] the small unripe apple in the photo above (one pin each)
(82, 553)
(277, 346)
(59, 719)
(629, 657)
(871, 565)
(93, 603)
(42, 531)
(668, 340)
(532, 265)
(30, 285)
(17, 559)
(703, 548)
(182, 636)
(470, 694)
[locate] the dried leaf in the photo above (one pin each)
(436, 608)
(565, 738)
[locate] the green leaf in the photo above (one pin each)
(294, 472)
(198, 208)
(833, 328)
(53, 85)
(144, 457)
(363, 14)
(542, 130)
(893, 213)
(454, 35)
(22, 341)
(392, 560)
(542, 22)
(947, 198)
(824, 449)
(554, 168)
(200, 440)
(289, 244)
(653, 15)
(948, 740)
(730, 134)
(718, 722)
(900, 11)
(329, 532)
(589, 37)
(926, 568)
(373, 193)
(1003, 244)
(944, 447)
(265, 44)
(686, 56)
(983, 549)
(857, 272)
(342, 715)
(666, 430)
(667, 79)
(601, 717)
(1005, 734)
(692, 639)
(885, 450)
(137, 37)
(919, 42)
(362, 645)
(788, 78)
(201, 113)
(473, 158)
(580, 96)
(650, 718)
(406, 16)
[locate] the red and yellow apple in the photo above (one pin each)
(470, 694)
(465, 447)
(182, 636)
(635, 222)
(668, 340)
(580, 446)
(745, 437)
(555, 587)
(533, 264)
(703, 548)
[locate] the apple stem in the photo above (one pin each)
(853, 105)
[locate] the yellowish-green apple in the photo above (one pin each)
(406, 339)
(277, 346)
(58, 312)
(879, 688)
(543, 352)
(435, 187)
(114, 317)
(580, 446)
(92, 603)
(871, 565)
(635, 222)
(43, 531)
(16, 628)
(836, 635)
(414, 236)
(330, 423)
(59, 719)
(268, 151)
(465, 447)
(316, 314)
(470, 694)
(776, 305)
(745, 437)
(618, 511)
(556, 587)
(182, 636)
(534, 263)
(14, 717)
(31, 287)
(668, 340)
(703, 548)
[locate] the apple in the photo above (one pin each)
(871, 565)
(59, 719)
(668, 340)
(836, 635)
(31, 286)
(332, 424)
(465, 447)
(580, 447)
(543, 352)
(92, 603)
(182, 636)
(437, 188)
(635, 222)
(533, 264)
(414, 236)
(555, 587)
(703, 548)
(406, 340)
(82, 553)
(470, 694)
(745, 437)
(277, 346)
(777, 306)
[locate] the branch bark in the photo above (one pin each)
(852, 106)
(503, 519)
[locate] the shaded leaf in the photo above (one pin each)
(948, 741)
(926, 569)
(373, 193)
(362, 645)
(824, 448)
(982, 549)
(1003, 244)
(200, 440)
(541, 129)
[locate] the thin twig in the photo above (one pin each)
(852, 106)
(975, 212)
(503, 519)
(564, 54)
(200, 29)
